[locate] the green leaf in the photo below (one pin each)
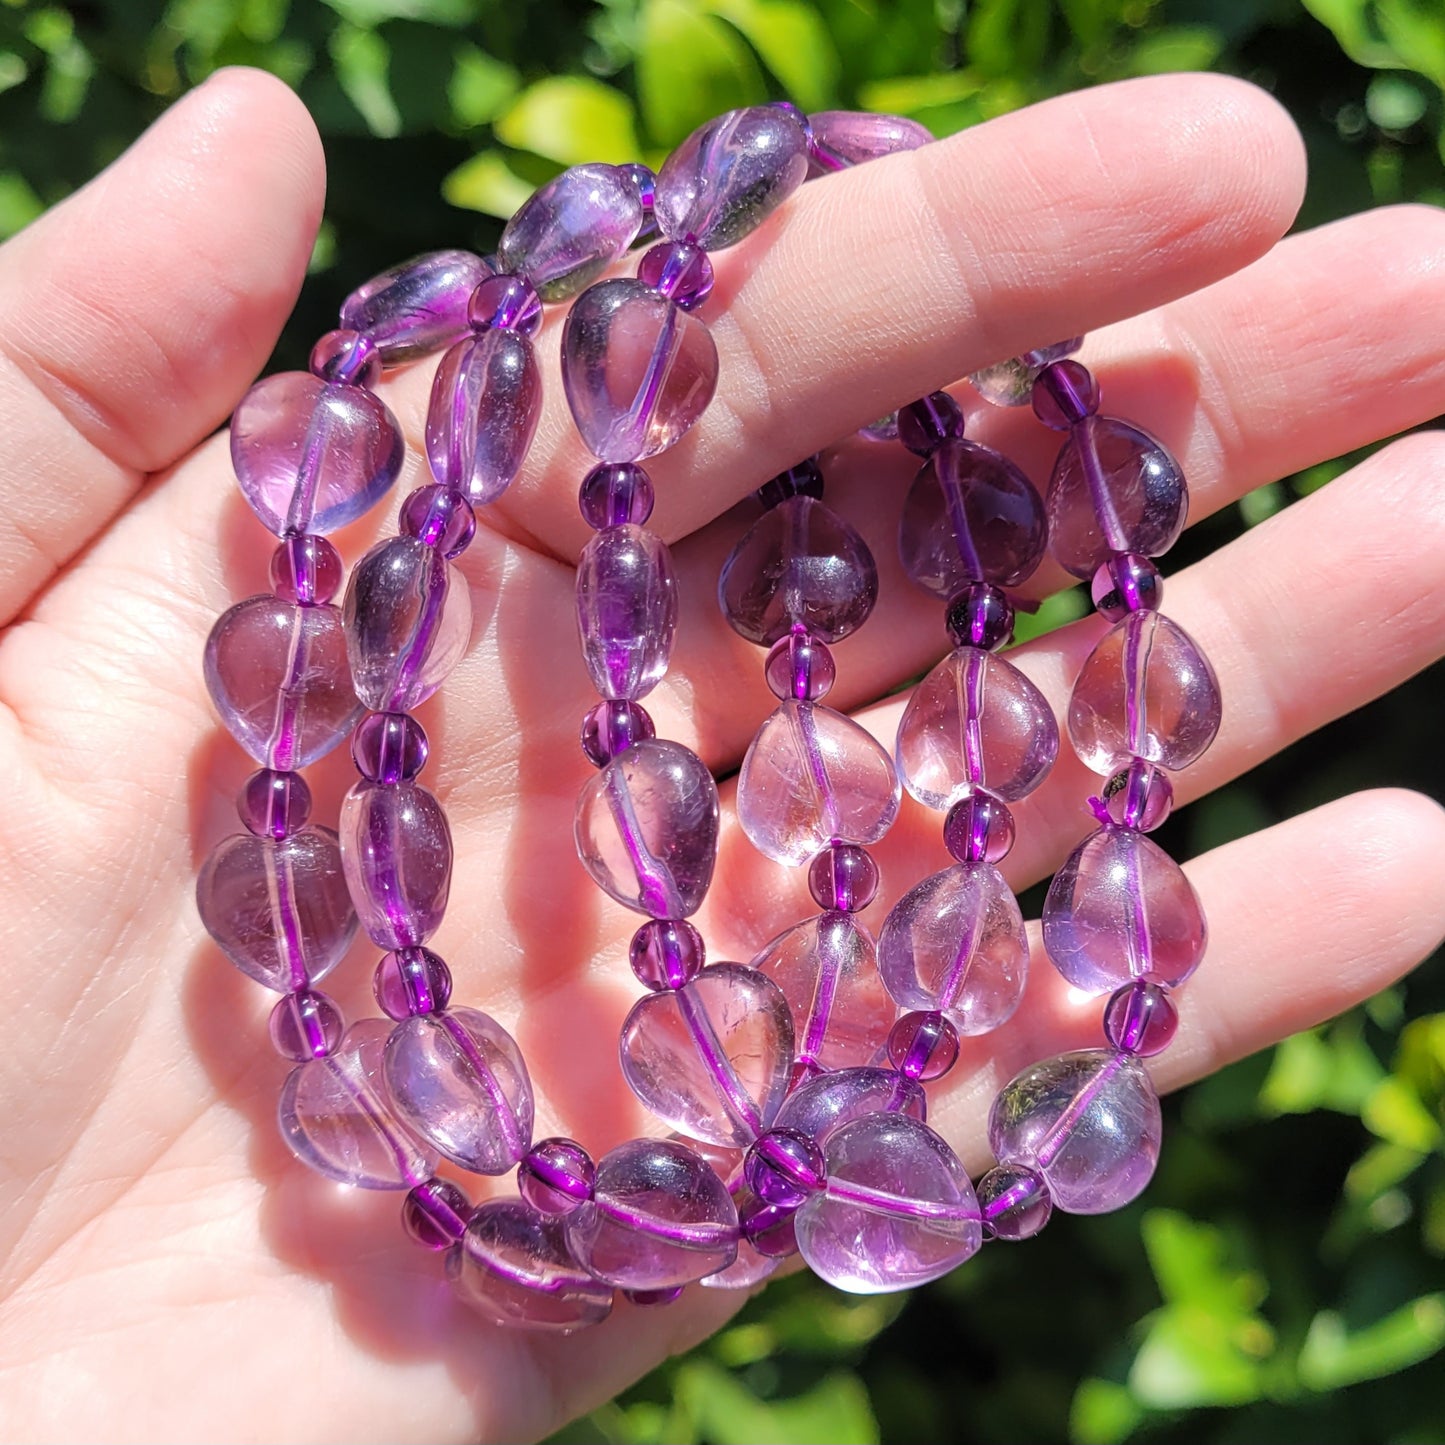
(1103, 1413)
(1330, 1068)
(480, 87)
(485, 182)
(367, 14)
(690, 67)
(19, 205)
(1396, 1114)
(1190, 1358)
(1394, 102)
(1333, 1355)
(1009, 37)
(908, 94)
(570, 119)
(361, 58)
(1191, 1265)
(834, 1412)
(1380, 1168)
(1415, 31)
(792, 41)
(1352, 25)
(1179, 47)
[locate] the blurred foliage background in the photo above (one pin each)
(1284, 1279)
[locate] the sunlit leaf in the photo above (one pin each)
(369, 13)
(1179, 47)
(362, 58)
(1335, 1355)
(834, 1412)
(1330, 1068)
(1103, 1413)
(1395, 1113)
(19, 205)
(485, 182)
(792, 41)
(1192, 1357)
(690, 67)
(571, 119)
(480, 86)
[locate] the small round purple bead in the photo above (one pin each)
(980, 616)
(803, 480)
(440, 517)
(680, 271)
(346, 357)
(615, 494)
(799, 666)
(923, 1045)
(306, 1025)
(612, 727)
(409, 982)
(1015, 1201)
(979, 828)
(1127, 583)
(556, 1176)
(306, 569)
(1064, 393)
(507, 303)
(843, 878)
(1139, 796)
(389, 747)
(783, 1167)
(274, 804)
(924, 425)
(666, 953)
(1140, 1018)
(435, 1214)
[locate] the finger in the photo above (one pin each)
(133, 315)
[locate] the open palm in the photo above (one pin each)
(167, 1271)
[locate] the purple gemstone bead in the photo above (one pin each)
(659, 1217)
(970, 516)
(626, 611)
(1121, 908)
(408, 619)
(652, 1298)
(337, 1118)
(637, 369)
(843, 877)
(975, 720)
(767, 1228)
(306, 569)
(827, 969)
(410, 981)
(843, 138)
(644, 181)
(1127, 583)
(824, 1104)
(418, 306)
(804, 479)
(458, 1079)
(507, 303)
(784, 1167)
(666, 953)
(514, 1268)
(1015, 1202)
(1140, 1018)
(274, 805)
(812, 777)
(798, 565)
(440, 517)
(485, 401)
(800, 667)
(729, 175)
(680, 271)
(924, 425)
(898, 1209)
(572, 229)
(955, 943)
(305, 1025)
(712, 1058)
(923, 1045)
(1146, 691)
(979, 828)
(1088, 1122)
(278, 908)
(1139, 796)
(278, 676)
(556, 1176)
(612, 727)
(752, 1266)
(1114, 488)
(614, 494)
(1064, 393)
(435, 1214)
(389, 747)
(397, 851)
(980, 616)
(347, 358)
(885, 429)
(311, 456)
(1011, 382)
(647, 827)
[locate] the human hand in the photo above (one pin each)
(169, 1272)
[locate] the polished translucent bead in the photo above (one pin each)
(1064, 393)
(803, 479)
(975, 720)
(556, 1176)
(784, 1167)
(1146, 691)
(1126, 583)
(850, 137)
(637, 369)
(337, 1117)
(644, 181)
(572, 229)
(311, 456)
(514, 1268)
(408, 623)
(680, 271)
(799, 667)
(658, 1217)
(1139, 796)
(626, 611)
(274, 804)
(980, 616)
(277, 673)
(1015, 1202)
(306, 568)
(812, 777)
(410, 981)
(827, 970)
(418, 306)
(1114, 489)
(752, 1266)
(898, 1209)
(979, 828)
(389, 747)
(440, 517)
(844, 877)
(347, 358)
(666, 953)
(1011, 382)
(712, 1058)
(1140, 1018)
(305, 1025)
(614, 494)
(458, 1079)
(923, 1045)
(924, 425)
(970, 516)
(729, 175)
(435, 1214)
(397, 851)
(799, 565)
(1121, 908)
(767, 1228)
(646, 829)
(956, 943)
(1087, 1121)
(824, 1104)
(509, 303)
(485, 401)
(278, 908)
(612, 727)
